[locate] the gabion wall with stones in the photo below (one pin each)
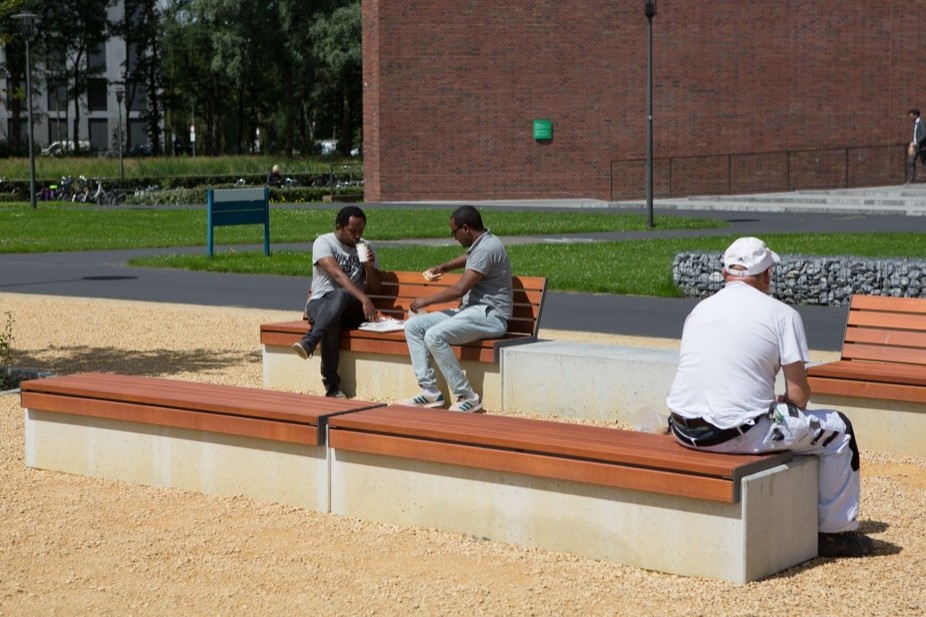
(824, 281)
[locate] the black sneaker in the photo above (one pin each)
(335, 393)
(845, 544)
(304, 349)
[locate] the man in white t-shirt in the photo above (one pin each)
(723, 396)
(338, 299)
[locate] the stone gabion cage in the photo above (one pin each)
(822, 281)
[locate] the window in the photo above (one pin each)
(57, 96)
(99, 135)
(96, 95)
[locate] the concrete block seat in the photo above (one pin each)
(209, 438)
(880, 379)
(375, 365)
(636, 498)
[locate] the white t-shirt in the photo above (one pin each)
(733, 345)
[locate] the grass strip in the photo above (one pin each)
(633, 267)
(70, 227)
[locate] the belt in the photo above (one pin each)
(709, 435)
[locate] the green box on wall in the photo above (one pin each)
(543, 130)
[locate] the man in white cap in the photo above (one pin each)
(723, 396)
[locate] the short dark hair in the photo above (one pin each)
(344, 216)
(469, 216)
(915, 112)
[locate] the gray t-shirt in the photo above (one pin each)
(488, 257)
(327, 245)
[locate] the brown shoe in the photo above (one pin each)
(845, 544)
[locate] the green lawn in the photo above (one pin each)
(633, 267)
(70, 227)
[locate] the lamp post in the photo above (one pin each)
(120, 96)
(27, 22)
(650, 10)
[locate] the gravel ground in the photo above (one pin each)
(71, 545)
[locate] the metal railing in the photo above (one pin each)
(761, 172)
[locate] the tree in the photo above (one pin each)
(14, 51)
(71, 31)
(337, 47)
(141, 29)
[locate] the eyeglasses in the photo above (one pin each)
(453, 232)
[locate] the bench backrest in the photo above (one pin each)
(400, 288)
(237, 207)
(886, 329)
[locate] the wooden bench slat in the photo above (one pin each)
(890, 321)
(871, 371)
(275, 430)
(867, 389)
(606, 474)
(891, 338)
(268, 414)
(230, 400)
(883, 353)
(887, 303)
(548, 437)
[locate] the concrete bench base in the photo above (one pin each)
(587, 381)
(772, 528)
(161, 456)
(898, 427)
(371, 376)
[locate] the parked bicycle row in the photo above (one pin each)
(80, 190)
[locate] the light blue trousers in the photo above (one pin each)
(430, 335)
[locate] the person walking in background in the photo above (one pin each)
(723, 396)
(917, 148)
(486, 304)
(338, 300)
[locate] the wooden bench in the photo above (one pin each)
(883, 352)
(391, 377)
(237, 207)
(398, 290)
(880, 378)
(632, 497)
(159, 432)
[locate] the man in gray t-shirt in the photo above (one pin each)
(485, 290)
(338, 297)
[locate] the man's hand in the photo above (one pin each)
(369, 310)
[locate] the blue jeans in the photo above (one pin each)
(335, 311)
(430, 335)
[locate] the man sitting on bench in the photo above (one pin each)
(338, 299)
(486, 292)
(723, 396)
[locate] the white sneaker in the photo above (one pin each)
(467, 405)
(423, 399)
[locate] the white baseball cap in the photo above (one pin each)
(751, 255)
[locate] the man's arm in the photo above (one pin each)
(454, 292)
(330, 266)
(797, 390)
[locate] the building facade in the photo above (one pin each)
(478, 99)
(100, 110)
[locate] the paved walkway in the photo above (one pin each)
(105, 274)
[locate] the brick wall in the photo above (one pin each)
(452, 88)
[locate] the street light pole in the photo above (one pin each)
(28, 29)
(120, 96)
(650, 10)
